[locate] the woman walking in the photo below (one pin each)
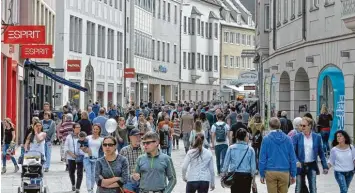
(201, 174)
(35, 141)
(91, 155)
(205, 125)
(111, 171)
(9, 143)
(74, 159)
(240, 159)
(324, 121)
(342, 158)
(121, 134)
(257, 131)
(177, 132)
(197, 130)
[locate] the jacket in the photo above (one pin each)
(276, 154)
(49, 128)
(298, 143)
(234, 157)
(186, 123)
(154, 171)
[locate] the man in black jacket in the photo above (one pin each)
(236, 127)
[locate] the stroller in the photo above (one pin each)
(32, 173)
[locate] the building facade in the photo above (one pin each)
(93, 33)
(306, 56)
(200, 51)
(237, 34)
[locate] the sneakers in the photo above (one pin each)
(3, 170)
(16, 168)
(173, 147)
(73, 188)
(77, 191)
(46, 169)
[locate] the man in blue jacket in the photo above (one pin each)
(277, 161)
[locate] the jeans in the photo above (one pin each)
(220, 151)
(311, 174)
(344, 180)
(4, 149)
(72, 166)
(199, 186)
(167, 151)
(89, 166)
(186, 139)
(132, 185)
(176, 140)
(48, 154)
(325, 138)
(257, 151)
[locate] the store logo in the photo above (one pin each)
(161, 68)
(340, 112)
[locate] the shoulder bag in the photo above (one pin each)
(228, 180)
(120, 188)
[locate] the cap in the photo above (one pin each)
(134, 132)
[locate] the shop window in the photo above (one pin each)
(74, 98)
(327, 95)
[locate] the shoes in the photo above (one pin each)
(46, 169)
(16, 168)
(73, 188)
(3, 170)
(174, 148)
(77, 191)
(177, 147)
(66, 169)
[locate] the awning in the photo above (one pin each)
(58, 78)
(234, 87)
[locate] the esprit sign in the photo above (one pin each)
(25, 34)
(129, 73)
(36, 51)
(73, 65)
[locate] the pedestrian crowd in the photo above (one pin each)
(136, 157)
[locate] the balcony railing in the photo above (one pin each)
(348, 13)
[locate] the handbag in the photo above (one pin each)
(119, 189)
(228, 180)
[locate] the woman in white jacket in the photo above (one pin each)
(74, 157)
(201, 174)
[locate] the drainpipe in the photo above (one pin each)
(124, 55)
(220, 59)
(180, 78)
(304, 21)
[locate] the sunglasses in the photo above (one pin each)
(148, 142)
(108, 144)
(304, 125)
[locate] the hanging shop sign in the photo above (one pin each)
(248, 77)
(249, 87)
(73, 65)
(36, 51)
(25, 34)
(129, 73)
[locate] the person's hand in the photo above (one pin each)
(262, 180)
(120, 140)
(136, 176)
(298, 164)
(212, 148)
(293, 180)
(325, 171)
(212, 187)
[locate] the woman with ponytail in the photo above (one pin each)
(201, 174)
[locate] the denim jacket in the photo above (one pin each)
(234, 156)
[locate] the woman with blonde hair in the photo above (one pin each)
(324, 124)
(197, 129)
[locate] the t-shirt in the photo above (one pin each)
(226, 127)
(8, 135)
(324, 120)
(94, 145)
(235, 128)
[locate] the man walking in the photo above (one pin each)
(49, 128)
(153, 168)
(186, 126)
(101, 119)
(277, 159)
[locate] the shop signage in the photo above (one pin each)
(249, 87)
(73, 65)
(129, 73)
(25, 34)
(37, 51)
(11, 49)
(248, 77)
(161, 68)
(233, 82)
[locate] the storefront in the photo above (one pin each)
(100, 89)
(331, 92)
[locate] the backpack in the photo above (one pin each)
(164, 138)
(220, 132)
(257, 138)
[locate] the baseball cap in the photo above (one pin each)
(134, 132)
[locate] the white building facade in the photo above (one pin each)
(200, 51)
(93, 32)
(305, 50)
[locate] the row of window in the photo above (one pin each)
(104, 50)
(237, 38)
(196, 95)
(117, 4)
(204, 29)
(144, 4)
(238, 62)
(161, 51)
(196, 60)
(142, 45)
(164, 11)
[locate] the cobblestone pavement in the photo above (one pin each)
(58, 181)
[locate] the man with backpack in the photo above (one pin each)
(220, 140)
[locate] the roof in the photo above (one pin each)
(250, 6)
(213, 2)
(194, 10)
(212, 15)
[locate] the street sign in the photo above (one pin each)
(37, 51)
(129, 73)
(73, 65)
(25, 34)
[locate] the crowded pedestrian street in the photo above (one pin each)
(57, 179)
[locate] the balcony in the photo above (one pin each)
(212, 77)
(194, 75)
(348, 13)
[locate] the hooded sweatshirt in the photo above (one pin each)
(277, 154)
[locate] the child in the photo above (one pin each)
(83, 142)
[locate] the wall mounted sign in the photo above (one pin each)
(160, 68)
(249, 87)
(36, 51)
(129, 73)
(25, 34)
(248, 77)
(73, 65)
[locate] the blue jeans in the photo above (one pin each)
(89, 166)
(199, 186)
(132, 185)
(4, 149)
(311, 174)
(167, 151)
(325, 138)
(344, 180)
(220, 151)
(47, 154)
